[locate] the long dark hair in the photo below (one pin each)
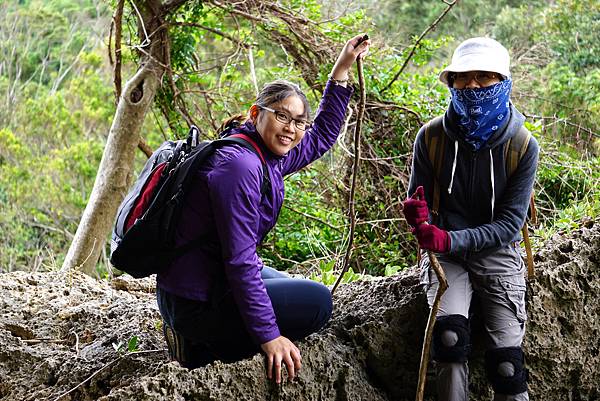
(273, 92)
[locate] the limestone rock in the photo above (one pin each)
(65, 337)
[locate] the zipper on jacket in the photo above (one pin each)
(281, 192)
(467, 253)
(274, 193)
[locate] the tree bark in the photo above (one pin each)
(112, 179)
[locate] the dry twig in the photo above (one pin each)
(107, 365)
(442, 286)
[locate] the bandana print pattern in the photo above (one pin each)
(481, 111)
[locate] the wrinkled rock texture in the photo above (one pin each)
(59, 331)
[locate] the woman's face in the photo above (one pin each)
(280, 137)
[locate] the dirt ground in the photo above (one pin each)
(64, 336)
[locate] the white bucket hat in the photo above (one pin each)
(478, 54)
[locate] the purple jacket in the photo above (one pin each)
(226, 203)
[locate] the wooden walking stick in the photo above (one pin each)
(359, 118)
(442, 286)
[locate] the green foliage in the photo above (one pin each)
(123, 347)
(325, 274)
(566, 178)
(48, 162)
(562, 72)
(572, 28)
(388, 256)
(566, 190)
(328, 276)
(403, 19)
(307, 227)
(56, 89)
(39, 41)
(567, 186)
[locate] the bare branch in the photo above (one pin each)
(379, 105)
(118, 22)
(564, 121)
(310, 216)
(518, 94)
(213, 30)
(147, 40)
(239, 12)
(110, 33)
(252, 71)
(442, 287)
(414, 48)
(359, 119)
(144, 147)
(172, 5)
(62, 76)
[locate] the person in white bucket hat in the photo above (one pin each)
(468, 205)
(478, 54)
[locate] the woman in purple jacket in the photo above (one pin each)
(226, 305)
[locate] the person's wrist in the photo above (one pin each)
(341, 79)
(448, 242)
(340, 71)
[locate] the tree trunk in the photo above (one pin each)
(112, 179)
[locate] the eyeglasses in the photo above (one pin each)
(483, 78)
(284, 118)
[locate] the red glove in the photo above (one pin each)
(432, 238)
(415, 208)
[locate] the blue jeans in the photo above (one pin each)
(199, 333)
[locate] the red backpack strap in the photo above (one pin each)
(251, 142)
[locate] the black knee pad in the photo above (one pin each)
(506, 371)
(451, 339)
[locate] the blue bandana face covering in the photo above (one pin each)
(481, 111)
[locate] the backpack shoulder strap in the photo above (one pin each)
(250, 144)
(247, 142)
(515, 148)
(435, 141)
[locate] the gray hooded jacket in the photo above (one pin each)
(480, 206)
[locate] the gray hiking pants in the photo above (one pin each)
(497, 277)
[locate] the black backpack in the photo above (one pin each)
(143, 238)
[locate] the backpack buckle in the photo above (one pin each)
(193, 136)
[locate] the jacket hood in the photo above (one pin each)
(510, 128)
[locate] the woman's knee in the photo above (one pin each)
(323, 302)
(270, 273)
(301, 305)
